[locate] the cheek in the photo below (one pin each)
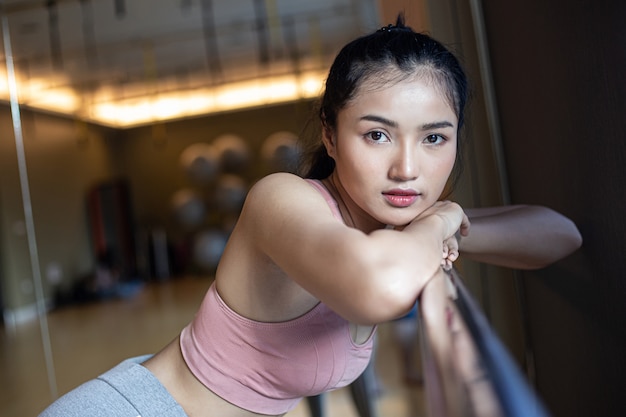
(450, 160)
(357, 160)
(443, 166)
(449, 166)
(442, 169)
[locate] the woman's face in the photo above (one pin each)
(394, 148)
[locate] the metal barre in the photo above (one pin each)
(467, 370)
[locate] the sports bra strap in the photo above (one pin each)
(332, 203)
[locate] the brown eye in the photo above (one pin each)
(377, 136)
(434, 139)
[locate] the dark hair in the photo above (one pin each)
(389, 55)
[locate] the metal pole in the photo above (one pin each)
(28, 210)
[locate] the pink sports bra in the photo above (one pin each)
(268, 367)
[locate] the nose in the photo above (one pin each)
(404, 165)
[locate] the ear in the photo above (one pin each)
(329, 140)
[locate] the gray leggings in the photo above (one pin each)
(128, 390)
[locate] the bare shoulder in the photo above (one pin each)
(283, 194)
(280, 182)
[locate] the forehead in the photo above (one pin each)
(391, 75)
(408, 99)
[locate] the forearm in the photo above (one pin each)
(400, 263)
(522, 237)
(387, 271)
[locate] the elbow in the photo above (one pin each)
(396, 304)
(390, 298)
(386, 285)
(573, 239)
(567, 241)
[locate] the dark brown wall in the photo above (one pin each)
(559, 70)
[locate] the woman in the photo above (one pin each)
(313, 265)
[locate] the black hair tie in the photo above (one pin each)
(394, 29)
(387, 28)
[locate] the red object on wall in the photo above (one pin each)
(112, 227)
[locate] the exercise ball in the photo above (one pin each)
(200, 162)
(208, 248)
(233, 153)
(230, 193)
(280, 152)
(189, 209)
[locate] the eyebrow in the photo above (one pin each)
(391, 123)
(437, 125)
(379, 119)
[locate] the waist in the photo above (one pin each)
(170, 368)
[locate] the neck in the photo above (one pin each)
(353, 215)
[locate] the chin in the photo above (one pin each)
(395, 223)
(401, 220)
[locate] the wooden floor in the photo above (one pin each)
(87, 340)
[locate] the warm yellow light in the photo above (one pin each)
(103, 108)
(255, 93)
(39, 94)
(199, 103)
(122, 114)
(61, 100)
(311, 85)
(4, 86)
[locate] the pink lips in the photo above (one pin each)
(401, 198)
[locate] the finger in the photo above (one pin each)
(452, 244)
(465, 226)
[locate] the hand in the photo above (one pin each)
(456, 224)
(450, 252)
(455, 220)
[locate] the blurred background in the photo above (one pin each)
(131, 130)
